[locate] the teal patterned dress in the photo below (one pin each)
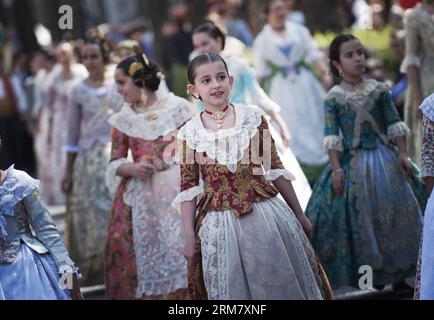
(378, 220)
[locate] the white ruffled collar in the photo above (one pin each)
(427, 107)
(164, 116)
(370, 85)
(227, 146)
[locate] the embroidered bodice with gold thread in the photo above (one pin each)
(235, 165)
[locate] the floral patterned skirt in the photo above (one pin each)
(263, 255)
(376, 222)
(88, 209)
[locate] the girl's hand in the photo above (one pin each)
(66, 184)
(189, 249)
(307, 226)
(405, 164)
(338, 178)
(75, 291)
(142, 171)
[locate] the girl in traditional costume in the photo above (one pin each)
(366, 206)
(207, 37)
(285, 56)
(244, 242)
(143, 256)
(34, 264)
(88, 153)
(58, 103)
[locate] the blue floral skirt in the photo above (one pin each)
(377, 222)
(31, 276)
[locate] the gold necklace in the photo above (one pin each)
(218, 116)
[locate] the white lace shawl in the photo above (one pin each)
(165, 116)
(227, 146)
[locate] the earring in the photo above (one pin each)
(340, 73)
(190, 94)
(143, 96)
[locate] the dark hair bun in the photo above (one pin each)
(145, 73)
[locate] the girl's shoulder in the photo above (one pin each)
(338, 94)
(166, 115)
(17, 186)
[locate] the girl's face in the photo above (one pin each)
(352, 59)
(278, 13)
(92, 58)
(212, 84)
(126, 87)
(203, 42)
(64, 54)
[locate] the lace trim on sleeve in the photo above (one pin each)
(333, 142)
(187, 195)
(112, 180)
(410, 61)
(397, 130)
(273, 174)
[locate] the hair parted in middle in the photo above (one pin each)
(201, 59)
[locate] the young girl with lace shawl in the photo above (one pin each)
(34, 265)
(241, 241)
(366, 206)
(143, 257)
(207, 37)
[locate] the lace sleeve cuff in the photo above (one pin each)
(71, 149)
(410, 61)
(66, 268)
(187, 195)
(273, 174)
(333, 142)
(397, 130)
(112, 180)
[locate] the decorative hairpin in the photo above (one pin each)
(134, 67)
(141, 55)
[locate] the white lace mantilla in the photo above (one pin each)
(427, 107)
(397, 130)
(164, 117)
(227, 146)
